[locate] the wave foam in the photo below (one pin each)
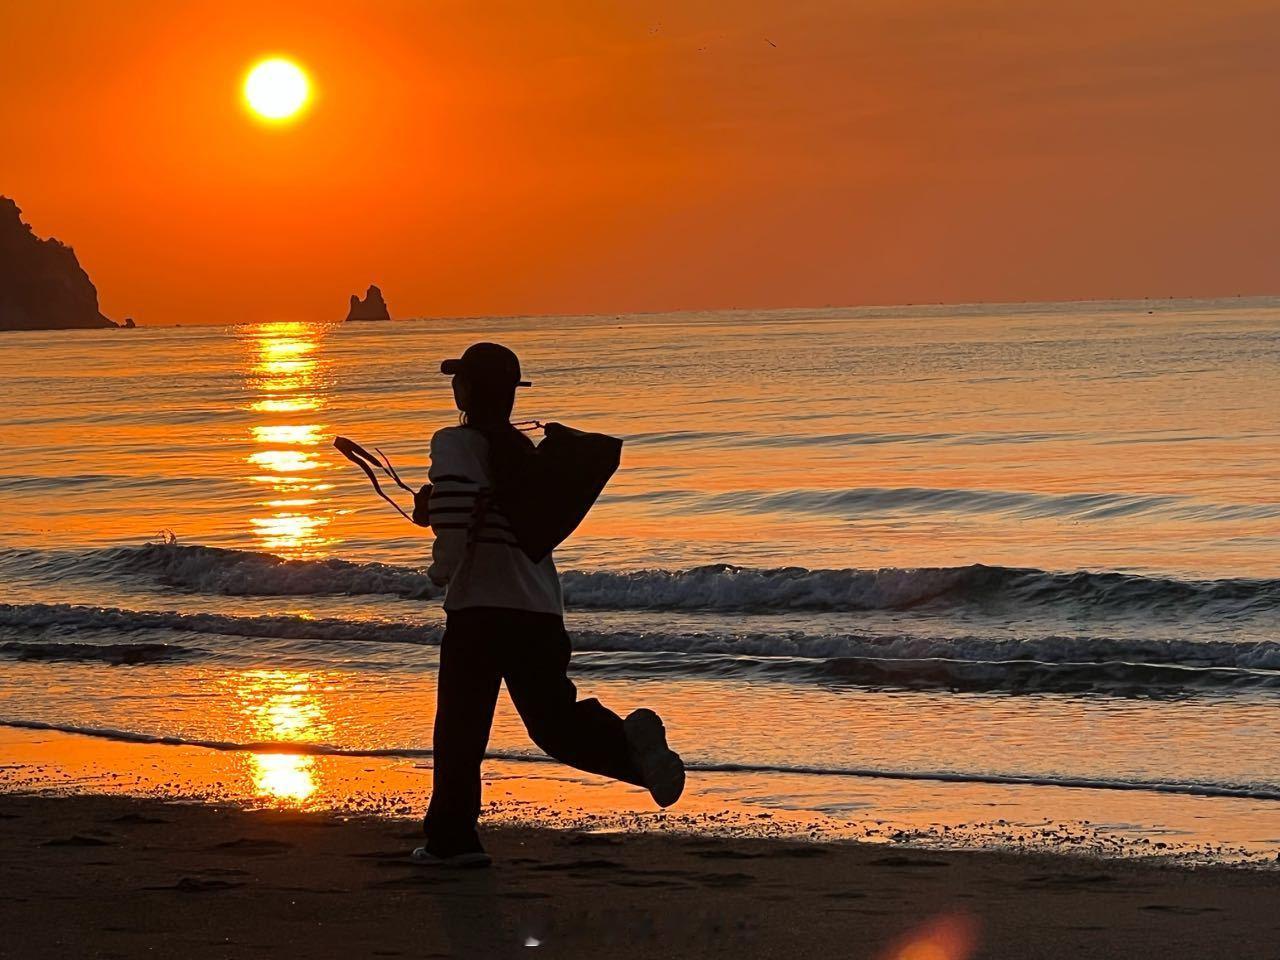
(218, 570)
(1051, 663)
(718, 587)
(43, 616)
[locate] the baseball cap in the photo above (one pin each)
(487, 361)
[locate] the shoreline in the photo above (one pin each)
(1082, 823)
(117, 876)
(305, 749)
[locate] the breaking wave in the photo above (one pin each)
(113, 653)
(43, 616)
(716, 587)
(1064, 664)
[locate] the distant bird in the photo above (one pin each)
(769, 42)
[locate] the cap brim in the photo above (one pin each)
(455, 366)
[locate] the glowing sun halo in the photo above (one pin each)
(276, 89)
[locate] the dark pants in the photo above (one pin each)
(483, 646)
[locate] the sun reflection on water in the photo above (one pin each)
(285, 404)
(281, 707)
(288, 377)
(303, 435)
(284, 461)
(283, 776)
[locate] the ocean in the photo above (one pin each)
(969, 575)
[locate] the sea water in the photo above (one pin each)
(914, 566)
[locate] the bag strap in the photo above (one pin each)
(366, 461)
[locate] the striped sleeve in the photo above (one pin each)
(457, 474)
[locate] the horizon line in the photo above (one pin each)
(685, 311)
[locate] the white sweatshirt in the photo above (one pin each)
(492, 571)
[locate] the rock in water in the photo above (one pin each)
(372, 307)
(42, 285)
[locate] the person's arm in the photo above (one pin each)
(457, 476)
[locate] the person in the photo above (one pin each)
(504, 621)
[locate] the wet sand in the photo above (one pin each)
(99, 876)
(1194, 831)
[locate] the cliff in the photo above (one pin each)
(372, 307)
(42, 285)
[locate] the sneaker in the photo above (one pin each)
(660, 766)
(472, 858)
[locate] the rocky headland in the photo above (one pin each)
(42, 285)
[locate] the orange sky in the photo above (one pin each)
(557, 157)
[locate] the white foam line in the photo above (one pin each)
(272, 746)
(316, 749)
(722, 586)
(999, 779)
(1060, 651)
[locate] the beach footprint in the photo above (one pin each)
(77, 840)
(253, 847)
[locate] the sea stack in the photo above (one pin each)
(372, 307)
(42, 285)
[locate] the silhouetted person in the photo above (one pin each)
(505, 621)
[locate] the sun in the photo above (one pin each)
(276, 89)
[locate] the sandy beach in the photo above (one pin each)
(101, 876)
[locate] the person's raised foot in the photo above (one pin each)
(660, 766)
(467, 859)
